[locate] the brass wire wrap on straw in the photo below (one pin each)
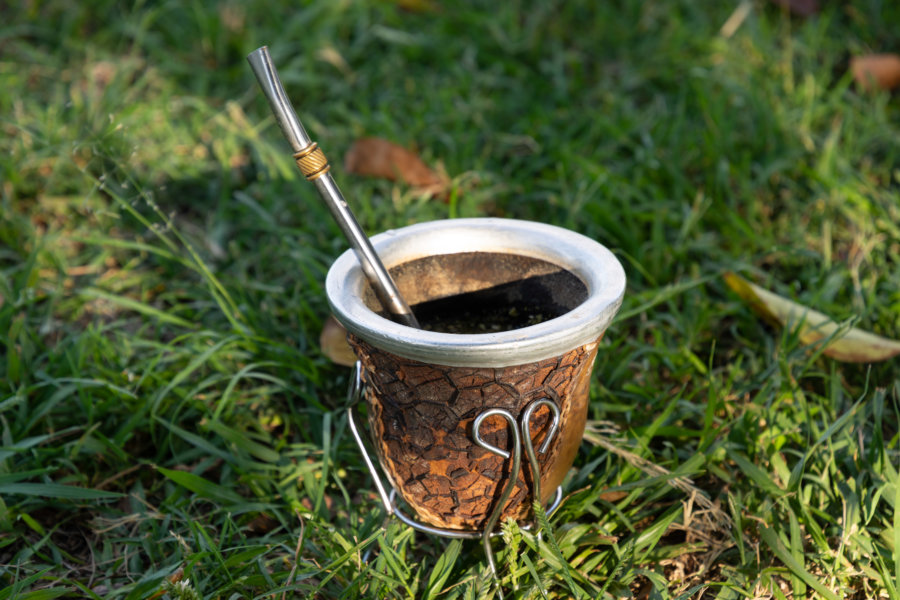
(312, 162)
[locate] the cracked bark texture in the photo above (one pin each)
(420, 419)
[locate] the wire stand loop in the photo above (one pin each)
(521, 436)
(510, 481)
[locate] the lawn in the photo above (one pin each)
(170, 428)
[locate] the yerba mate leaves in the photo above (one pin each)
(841, 343)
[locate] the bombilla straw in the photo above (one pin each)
(315, 167)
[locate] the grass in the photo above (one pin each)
(170, 429)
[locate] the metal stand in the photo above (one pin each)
(521, 436)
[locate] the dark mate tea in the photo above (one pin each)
(482, 319)
(485, 311)
(483, 292)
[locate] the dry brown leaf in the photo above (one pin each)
(876, 71)
(262, 523)
(376, 157)
(612, 495)
(801, 8)
(333, 342)
(851, 345)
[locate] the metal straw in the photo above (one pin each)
(315, 167)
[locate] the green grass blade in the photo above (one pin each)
(196, 440)
(556, 555)
(13, 591)
(756, 474)
(137, 306)
(896, 533)
(45, 594)
(442, 570)
(57, 491)
(771, 539)
(796, 549)
(243, 442)
(534, 576)
(202, 487)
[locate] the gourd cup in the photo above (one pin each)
(470, 280)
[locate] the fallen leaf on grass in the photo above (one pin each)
(262, 523)
(612, 495)
(333, 342)
(852, 345)
(876, 71)
(375, 157)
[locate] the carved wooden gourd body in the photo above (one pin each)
(420, 418)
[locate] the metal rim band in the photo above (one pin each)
(594, 264)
